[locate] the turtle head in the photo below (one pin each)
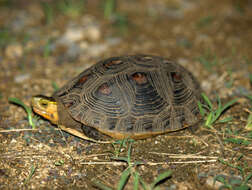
(46, 107)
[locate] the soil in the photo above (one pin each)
(43, 44)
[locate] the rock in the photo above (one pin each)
(21, 78)
(14, 51)
(92, 33)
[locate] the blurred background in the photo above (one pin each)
(45, 43)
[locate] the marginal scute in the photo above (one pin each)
(133, 96)
(112, 63)
(82, 80)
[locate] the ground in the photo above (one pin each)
(43, 44)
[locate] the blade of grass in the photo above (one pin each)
(27, 109)
(227, 119)
(249, 123)
(32, 172)
(55, 86)
(206, 99)
(123, 179)
(227, 105)
(144, 185)
(201, 109)
(248, 178)
(136, 181)
(209, 120)
(100, 185)
(161, 177)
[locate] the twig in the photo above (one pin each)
(20, 130)
(185, 156)
(150, 163)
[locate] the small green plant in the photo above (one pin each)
(131, 171)
(59, 163)
(234, 184)
(72, 8)
(48, 12)
(121, 143)
(118, 19)
(27, 109)
(205, 21)
(239, 141)
(55, 86)
(32, 172)
(109, 8)
(214, 114)
(249, 122)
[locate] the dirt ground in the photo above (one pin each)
(43, 44)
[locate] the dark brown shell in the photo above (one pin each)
(133, 96)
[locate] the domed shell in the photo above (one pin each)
(133, 96)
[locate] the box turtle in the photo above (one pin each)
(135, 96)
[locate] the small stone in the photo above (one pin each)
(97, 49)
(73, 35)
(210, 183)
(92, 33)
(21, 78)
(14, 51)
(13, 141)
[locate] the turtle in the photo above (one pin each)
(131, 96)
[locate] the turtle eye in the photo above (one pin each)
(43, 103)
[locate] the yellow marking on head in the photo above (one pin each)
(46, 107)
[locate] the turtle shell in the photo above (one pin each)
(133, 96)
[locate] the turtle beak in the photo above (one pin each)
(46, 107)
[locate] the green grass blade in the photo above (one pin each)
(237, 141)
(129, 152)
(201, 109)
(55, 86)
(219, 178)
(136, 181)
(209, 120)
(123, 179)
(249, 123)
(161, 177)
(32, 172)
(109, 8)
(101, 186)
(225, 120)
(206, 99)
(227, 105)
(242, 187)
(27, 109)
(144, 184)
(221, 109)
(248, 178)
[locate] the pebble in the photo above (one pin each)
(92, 33)
(13, 141)
(13, 51)
(22, 77)
(78, 33)
(72, 35)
